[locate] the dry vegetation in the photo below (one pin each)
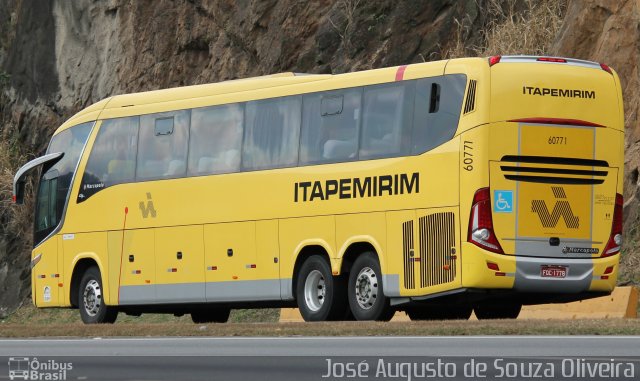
(440, 328)
(515, 27)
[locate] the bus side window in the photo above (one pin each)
(271, 135)
(330, 126)
(215, 139)
(112, 158)
(386, 120)
(437, 111)
(163, 145)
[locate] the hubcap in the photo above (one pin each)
(366, 288)
(92, 297)
(314, 290)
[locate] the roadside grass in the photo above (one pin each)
(432, 328)
(32, 316)
(29, 321)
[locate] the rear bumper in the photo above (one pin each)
(522, 274)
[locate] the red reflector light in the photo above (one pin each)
(494, 60)
(14, 198)
(493, 266)
(552, 59)
(606, 68)
(562, 121)
(615, 239)
(604, 277)
(609, 270)
(501, 274)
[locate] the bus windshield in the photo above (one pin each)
(56, 180)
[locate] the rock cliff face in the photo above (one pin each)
(59, 56)
(609, 32)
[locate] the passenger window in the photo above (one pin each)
(163, 145)
(386, 120)
(330, 123)
(271, 135)
(216, 138)
(437, 111)
(113, 156)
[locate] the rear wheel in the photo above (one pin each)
(92, 308)
(320, 295)
(497, 310)
(366, 292)
(213, 315)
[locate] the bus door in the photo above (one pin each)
(45, 256)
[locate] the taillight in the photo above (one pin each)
(494, 60)
(615, 239)
(481, 224)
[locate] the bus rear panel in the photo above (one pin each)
(550, 220)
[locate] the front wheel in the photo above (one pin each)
(92, 308)
(366, 292)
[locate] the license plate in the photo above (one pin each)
(553, 271)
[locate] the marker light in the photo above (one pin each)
(494, 60)
(551, 59)
(606, 68)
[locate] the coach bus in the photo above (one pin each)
(442, 188)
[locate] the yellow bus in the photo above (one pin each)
(442, 188)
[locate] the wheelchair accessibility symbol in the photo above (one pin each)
(502, 201)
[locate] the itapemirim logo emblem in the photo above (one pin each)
(560, 209)
(25, 368)
(147, 209)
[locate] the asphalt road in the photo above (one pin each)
(301, 358)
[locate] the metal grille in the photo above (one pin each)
(407, 253)
(437, 242)
(470, 102)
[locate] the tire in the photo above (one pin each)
(320, 295)
(92, 308)
(366, 291)
(497, 310)
(214, 315)
(455, 312)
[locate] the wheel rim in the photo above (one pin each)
(92, 297)
(314, 290)
(366, 288)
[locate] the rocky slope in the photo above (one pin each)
(59, 56)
